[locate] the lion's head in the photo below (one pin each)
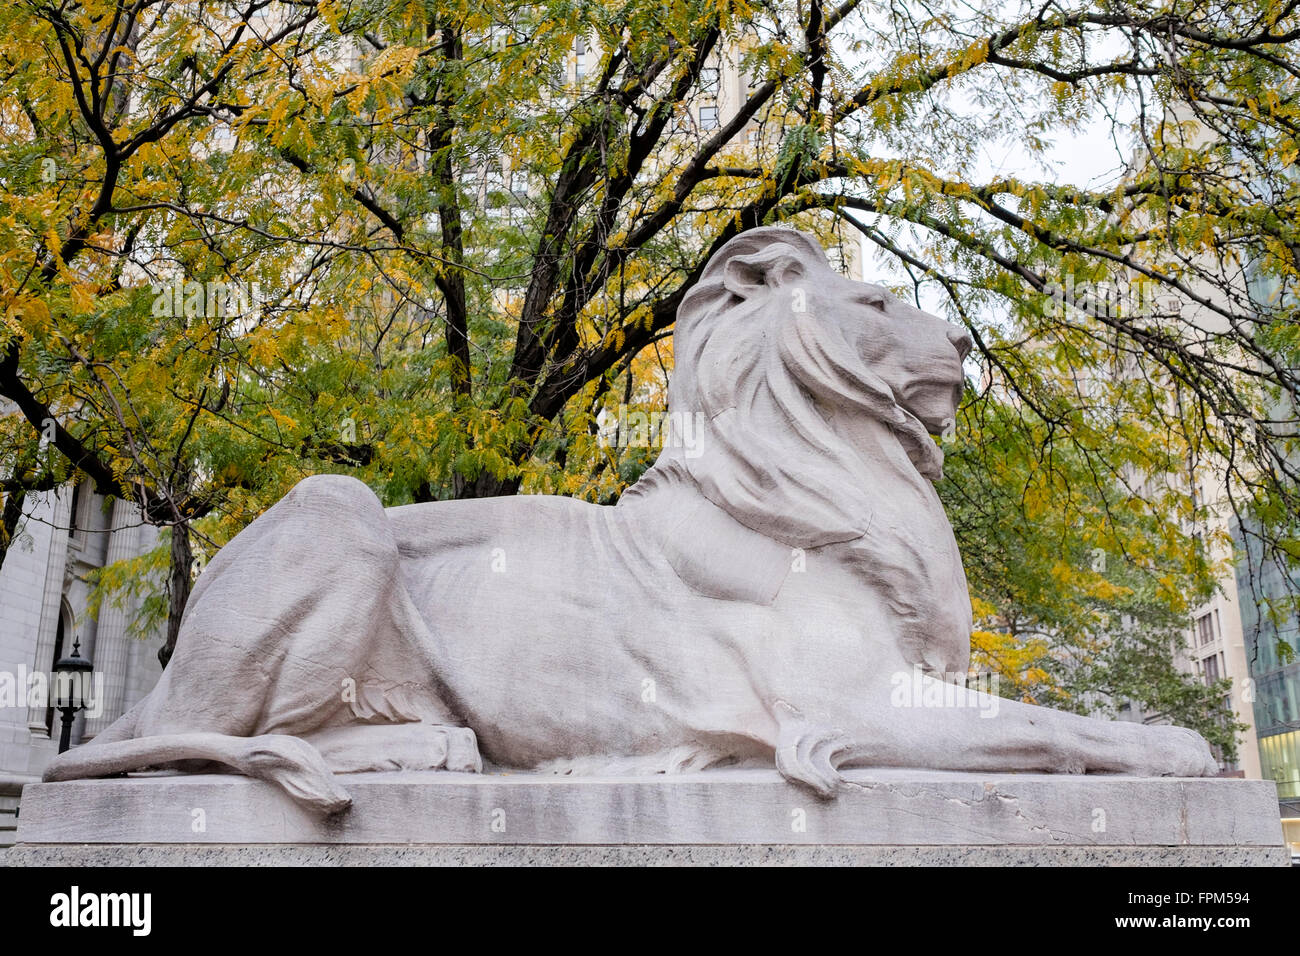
(776, 353)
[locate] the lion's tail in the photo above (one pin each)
(288, 762)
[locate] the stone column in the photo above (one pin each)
(143, 669)
(52, 599)
(112, 645)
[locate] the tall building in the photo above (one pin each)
(1216, 649)
(1233, 635)
(1275, 683)
(1268, 620)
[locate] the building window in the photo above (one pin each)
(1211, 665)
(73, 517)
(709, 81)
(494, 180)
(708, 117)
(579, 58)
(1205, 628)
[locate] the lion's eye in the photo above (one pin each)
(873, 300)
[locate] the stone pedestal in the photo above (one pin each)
(724, 816)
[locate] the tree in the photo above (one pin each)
(404, 313)
(1081, 588)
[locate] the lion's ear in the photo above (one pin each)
(761, 272)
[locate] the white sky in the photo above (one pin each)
(1093, 158)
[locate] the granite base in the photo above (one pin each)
(884, 817)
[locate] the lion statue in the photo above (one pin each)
(752, 599)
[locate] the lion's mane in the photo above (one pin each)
(759, 373)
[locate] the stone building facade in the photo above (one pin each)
(44, 594)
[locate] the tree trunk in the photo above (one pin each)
(12, 514)
(178, 588)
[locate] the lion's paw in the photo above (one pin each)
(358, 748)
(1165, 751)
(462, 751)
(1189, 755)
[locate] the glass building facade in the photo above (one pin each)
(1263, 583)
(1276, 685)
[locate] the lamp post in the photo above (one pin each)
(71, 678)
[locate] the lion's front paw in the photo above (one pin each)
(1177, 752)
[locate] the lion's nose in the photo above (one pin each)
(960, 340)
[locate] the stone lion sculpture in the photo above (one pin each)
(751, 599)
